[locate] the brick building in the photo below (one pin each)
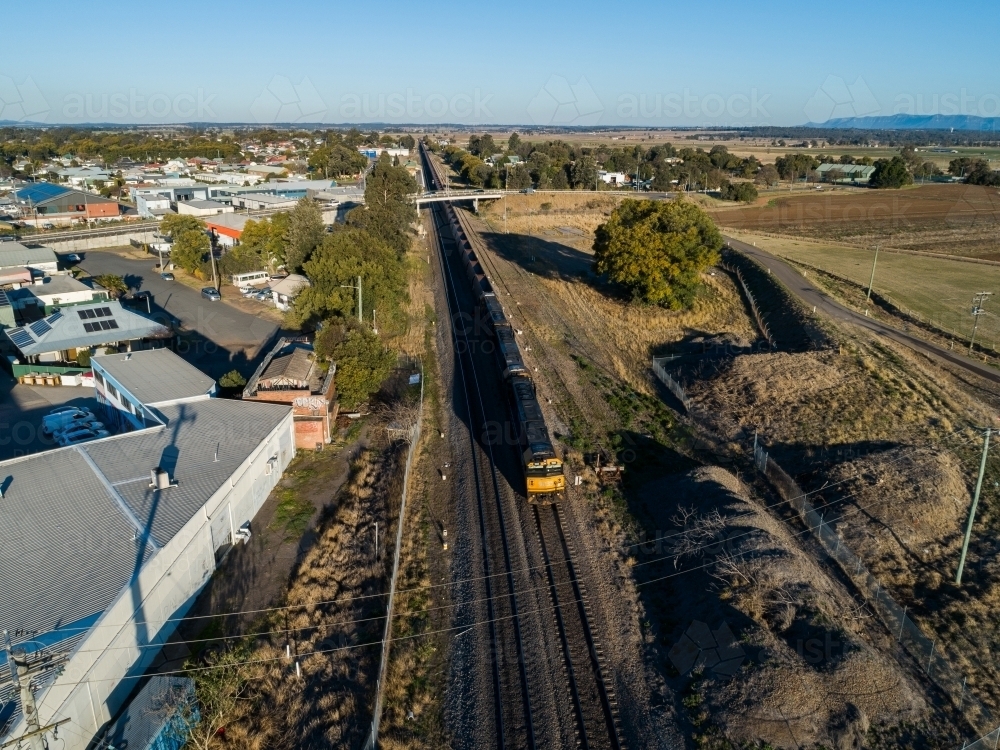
(290, 374)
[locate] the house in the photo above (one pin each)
(613, 178)
(14, 255)
(851, 174)
(264, 170)
(45, 202)
(153, 206)
(284, 291)
(43, 295)
(108, 544)
(290, 374)
(203, 208)
(78, 176)
(133, 384)
(63, 335)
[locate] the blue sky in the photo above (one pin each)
(581, 63)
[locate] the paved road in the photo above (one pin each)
(802, 288)
(224, 337)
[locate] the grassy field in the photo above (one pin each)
(936, 288)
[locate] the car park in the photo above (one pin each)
(211, 293)
(52, 423)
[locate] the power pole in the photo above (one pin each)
(20, 674)
(972, 510)
(977, 310)
(872, 279)
(360, 308)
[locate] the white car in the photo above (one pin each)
(81, 435)
(90, 424)
(52, 423)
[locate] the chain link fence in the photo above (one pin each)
(413, 439)
(930, 654)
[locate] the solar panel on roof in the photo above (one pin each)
(40, 191)
(114, 323)
(40, 328)
(91, 327)
(106, 325)
(54, 317)
(20, 337)
(85, 314)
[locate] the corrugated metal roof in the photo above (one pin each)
(39, 191)
(74, 327)
(16, 254)
(186, 448)
(156, 375)
(67, 549)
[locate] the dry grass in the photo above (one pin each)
(258, 698)
(809, 675)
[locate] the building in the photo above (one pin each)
(43, 203)
(153, 206)
(613, 178)
(265, 170)
(290, 374)
(203, 208)
(108, 544)
(284, 291)
(63, 335)
(130, 385)
(45, 294)
(160, 717)
(226, 229)
(851, 174)
(259, 201)
(14, 255)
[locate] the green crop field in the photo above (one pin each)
(936, 288)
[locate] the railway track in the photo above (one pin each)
(514, 726)
(589, 694)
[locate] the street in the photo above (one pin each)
(215, 337)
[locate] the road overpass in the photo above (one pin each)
(439, 196)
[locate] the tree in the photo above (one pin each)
(513, 142)
(584, 173)
(362, 360)
(767, 175)
(387, 213)
(345, 254)
(265, 240)
(891, 173)
(232, 380)
(981, 174)
(174, 224)
(189, 249)
(305, 232)
(739, 191)
(657, 250)
(407, 142)
(483, 146)
(115, 284)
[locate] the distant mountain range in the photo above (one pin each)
(912, 122)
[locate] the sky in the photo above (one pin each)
(518, 63)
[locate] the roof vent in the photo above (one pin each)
(160, 479)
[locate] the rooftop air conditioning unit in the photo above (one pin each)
(160, 479)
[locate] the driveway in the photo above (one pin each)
(804, 289)
(215, 337)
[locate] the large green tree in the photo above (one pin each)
(333, 270)
(305, 232)
(891, 173)
(362, 359)
(387, 213)
(657, 250)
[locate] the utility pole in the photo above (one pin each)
(872, 279)
(972, 510)
(20, 674)
(977, 310)
(358, 290)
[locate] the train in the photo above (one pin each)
(545, 481)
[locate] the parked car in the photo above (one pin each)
(528, 191)
(167, 276)
(72, 258)
(90, 424)
(82, 436)
(54, 422)
(262, 296)
(211, 293)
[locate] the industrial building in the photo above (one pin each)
(108, 543)
(46, 202)
(14, 255)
